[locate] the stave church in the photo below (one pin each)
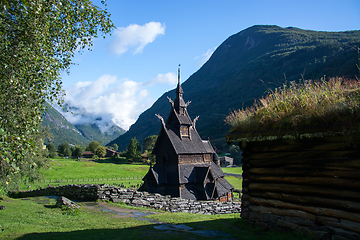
(186, 166)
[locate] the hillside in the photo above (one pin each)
(61, 129)
(81, 134)
(92, 132)
(244, 67)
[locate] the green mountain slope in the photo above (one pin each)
(92, 132)
(61, 129)
(244, 67)
(80, 134)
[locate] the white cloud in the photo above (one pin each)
(204, 57)
(110, 99)
(136, 37)
(107, 99)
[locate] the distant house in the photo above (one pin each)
(186, 166)
(88, 154)
(110, 153)
(226, 161)
(144, 156)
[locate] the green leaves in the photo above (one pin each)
(100, 151)
(133, 153)
(38, 40)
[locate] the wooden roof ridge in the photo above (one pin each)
(181, 119)
(184, 119)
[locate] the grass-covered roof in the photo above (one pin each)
(315, 107)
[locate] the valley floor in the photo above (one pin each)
(38, 218)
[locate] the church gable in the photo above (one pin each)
(164, 148)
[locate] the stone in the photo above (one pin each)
(140, 202)
(116, 200)
(64, 201)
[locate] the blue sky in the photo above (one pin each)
(128, 71)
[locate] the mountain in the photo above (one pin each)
(91, 131)
(80, 134)
(245, 67)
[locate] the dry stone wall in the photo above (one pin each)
(90, 192)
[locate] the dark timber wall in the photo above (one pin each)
(307, 185)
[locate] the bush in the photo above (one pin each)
(51, 150)
(100, 151)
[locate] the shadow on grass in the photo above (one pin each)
(230, 229)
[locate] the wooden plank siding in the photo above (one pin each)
(308, 185)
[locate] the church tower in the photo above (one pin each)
(179, 117)
(186, 166)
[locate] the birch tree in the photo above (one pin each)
(38, 40)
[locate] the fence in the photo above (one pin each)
(72, 180)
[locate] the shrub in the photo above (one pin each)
(100, 151)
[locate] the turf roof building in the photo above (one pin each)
(186, 166)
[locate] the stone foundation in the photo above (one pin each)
(90, 192)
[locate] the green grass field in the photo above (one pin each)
(235, 181)
(38, 218)
(233, 170)
(73, 169)
(64, 171)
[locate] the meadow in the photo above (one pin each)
(233, 170)
(39, 218)
(64, 171)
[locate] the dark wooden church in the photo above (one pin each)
(186, 166)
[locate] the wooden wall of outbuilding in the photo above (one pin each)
(307, 185)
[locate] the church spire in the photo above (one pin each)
(179, 101)
(179, 89)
